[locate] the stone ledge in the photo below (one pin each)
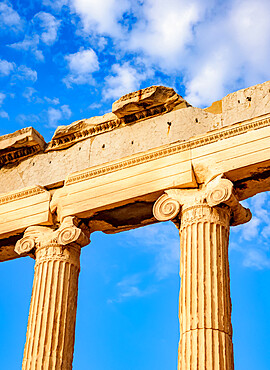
(20, 145)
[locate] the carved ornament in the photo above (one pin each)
(20, 145)
(39, 237)
(216, 192)
(67, 140)
(209, 138)
(147, 102)
(16, 155)
(11, 197)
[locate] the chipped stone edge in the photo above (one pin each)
(212, 137)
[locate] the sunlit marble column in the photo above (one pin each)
(205, 305)
(51, 323)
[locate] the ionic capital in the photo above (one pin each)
(37, 237)
(216, 192)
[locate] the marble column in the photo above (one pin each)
(205, 217)
(51, 323)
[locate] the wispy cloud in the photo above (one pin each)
(54, 101)
(29, 43)
(204, 41)
(29, 93)
(4, 114)
(9, 18)
(55, 116)
(124, 78)
(47, 27)
(251, 239)
(55, 4)
(102, 19)
(51, 117)
(132, 286)
(6, 67)
(21, 72)
(2, 98)
(26, 119)
(162, 240)
(25, 73)
(256, 259)
(43, 30)
(81, 65)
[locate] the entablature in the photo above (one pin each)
(116, 191)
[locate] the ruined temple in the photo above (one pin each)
(153, 158)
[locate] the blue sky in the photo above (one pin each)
(64, 60)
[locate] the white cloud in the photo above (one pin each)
(81, 66)
(21, 72)
(255, 258)
(9, 18)
(29, 43)
(251, 239)
(4, 114)
(55, 116)
(44, 30)
(26, 119)
(132, 286)
(95, 106)
(217, 46)
(251, 31)
(164, 29)
(55, 4)
(6, 67)
(48, 27)
(2, 98)
(102, 17)
(54, 101)
(161, 239)
(122, 80)
(26, 74)
(251, 229)
(29, 93)
(231, 49)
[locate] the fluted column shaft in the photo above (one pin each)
(204, 215)
(52, 317)
(205, 304)
(51, 323)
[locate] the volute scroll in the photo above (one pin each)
(216, 192)
(42, 236)
(166, 208)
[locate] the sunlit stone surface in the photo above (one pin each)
(153, 158)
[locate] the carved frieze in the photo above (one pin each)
(196, 142)
(20, 145)
(81, 131)
(133, 107)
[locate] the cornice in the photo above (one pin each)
(16, 155)
(209, 138)
(21, 195)
(74, 137)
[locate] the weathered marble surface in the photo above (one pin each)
(93, 141)
(110, 172)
